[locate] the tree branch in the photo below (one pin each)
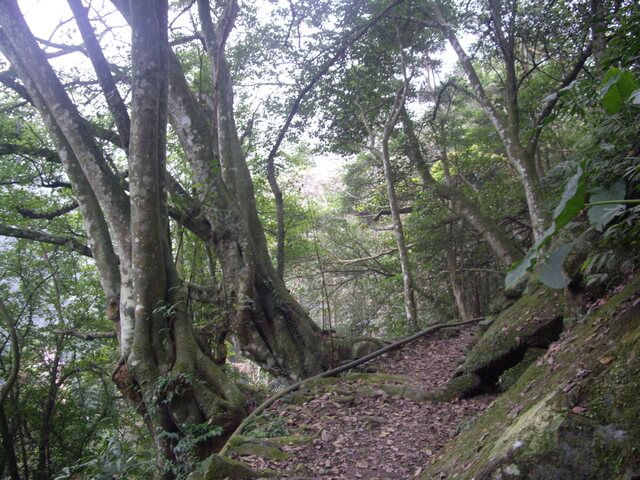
(45, 237)
(103, 72)
(87, 336)
(293, 111)
(553, 100)
(26, 212)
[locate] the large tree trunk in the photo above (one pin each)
(171, 381)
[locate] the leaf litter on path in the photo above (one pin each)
(372, 434)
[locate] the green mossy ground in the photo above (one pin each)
(219, 468)
(573, 414)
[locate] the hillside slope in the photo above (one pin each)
(573, 413)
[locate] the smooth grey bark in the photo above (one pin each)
(384, 156)
(398, 230)
(403, 251)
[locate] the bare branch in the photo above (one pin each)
(26, 212)
(384, 253)
(87, 336)
(45, 237)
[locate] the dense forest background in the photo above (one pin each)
(177, 241)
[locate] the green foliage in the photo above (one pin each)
(619, 87)
(111, 460)
(571, 203)
(602, 214)
(606, 204)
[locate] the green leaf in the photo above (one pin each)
(601, 215)
(573, 199)
(618, 86)
(551, 272)
(571, 203)
(519, 269)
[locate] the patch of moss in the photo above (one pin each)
(404, 391)
(219, 468)
(264, 448)
(510, 376)
(524, 323)
(458, 387)
(376, 378)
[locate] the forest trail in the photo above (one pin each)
(371, 425)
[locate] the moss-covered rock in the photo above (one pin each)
(533, 321)
(573, 414)
(510, 377)
(220, 468)
(264, 448)
(460, 387)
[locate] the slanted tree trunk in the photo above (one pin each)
(504, 249)
(457, 283)
(384, 157)
(506, 127)
(519, 150)
(398, 231)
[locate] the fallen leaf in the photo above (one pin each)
(515, 410)
(325, 436)
(606, 360)
(579, 410)
(582, 373)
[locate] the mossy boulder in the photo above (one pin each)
(217, 467)
(461, 386)
(533, 321)
(264, 448)
(573, 414)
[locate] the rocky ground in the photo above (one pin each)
(374, 425)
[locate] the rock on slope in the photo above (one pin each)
(575, 411)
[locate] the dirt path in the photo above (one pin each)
(373, 426)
